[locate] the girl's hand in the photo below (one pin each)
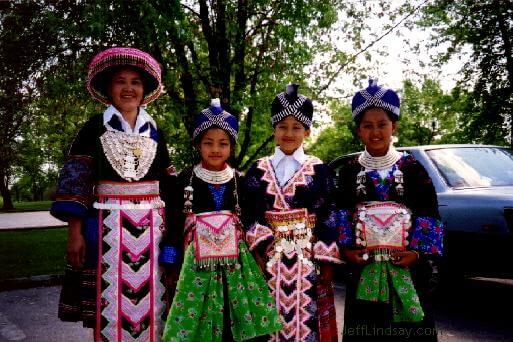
(76, 247)
(356, 256)
(404, 259)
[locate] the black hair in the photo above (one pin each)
(393, 117)
(305, 126)
(200, 136)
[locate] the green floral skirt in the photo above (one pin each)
(203, 295)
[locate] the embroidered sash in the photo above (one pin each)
(292, 233)
(216, 239)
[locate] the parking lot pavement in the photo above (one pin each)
(33, 219)
(31, 315)
(473, 312)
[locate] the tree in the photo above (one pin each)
(487, 28)
(340, 137)
(241, 51)
(431, 116)
(25, 50)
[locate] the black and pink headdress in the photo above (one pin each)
(101, 66)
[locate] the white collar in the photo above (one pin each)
(298, 155)
(142, 118)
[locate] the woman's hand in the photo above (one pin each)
(404, 259)
(76, 247)
(356, 256)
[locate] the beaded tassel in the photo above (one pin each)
(238, 210)
(398, 175)
(188, 196)
(360, 182)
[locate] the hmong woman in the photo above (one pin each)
(221, 294)
(391, 228)
(113, 279)
(290, 213)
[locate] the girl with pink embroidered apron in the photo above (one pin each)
(109, 192)
(221, 293)
(290, 213)
(390, 230)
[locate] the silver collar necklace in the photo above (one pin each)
(379, 163)
(214, 177)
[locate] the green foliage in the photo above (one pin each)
(486, 27)
(26, 51)
(338, 139)
(430, 116)
(32, 252)
(241, 51)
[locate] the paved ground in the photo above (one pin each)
(31, 315)
(26, 220)
(476, 311)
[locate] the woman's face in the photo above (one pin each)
(126, 90)
(215, 149)
(289, 134)
(376, 130)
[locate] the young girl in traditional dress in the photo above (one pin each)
(108, 191)
(390, 229)
(291, 217)
(221, 294)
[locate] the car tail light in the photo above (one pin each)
(508, 215)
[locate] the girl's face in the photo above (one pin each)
(215, 149)
(376, 130)
(126, 90)
(289, 134)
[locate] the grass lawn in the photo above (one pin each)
(25, 253)
(28, 206)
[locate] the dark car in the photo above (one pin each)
(474, 184)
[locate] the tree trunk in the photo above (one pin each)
(5, 192)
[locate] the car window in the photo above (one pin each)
(338, 164)
(474, 166)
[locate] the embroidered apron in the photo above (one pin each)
(130, 292)
(215, 236)
(218, 275)
(382, 227)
